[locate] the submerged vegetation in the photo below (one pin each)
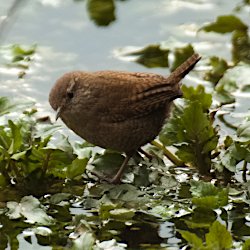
(192, 194)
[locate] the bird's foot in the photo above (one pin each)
(107, 179)
(148, 155)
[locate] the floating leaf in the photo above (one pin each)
(58, 197)
(227, 159)
(241, 46)
(181, 55)
(122, 214)
(7, 105)
(243, 131)
(246, 245)
(111, 245)
(152, 56)
(29, 207)
(223, 97)
(233, 79)
(207, 196)
(101, 12)
(219, 67)
(19, 51)
(194, 241)
(218, 237)
(85, 241)
(225, 24)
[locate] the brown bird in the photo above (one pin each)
(117, 110)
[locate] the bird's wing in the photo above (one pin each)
(128, 95)
(154, 94)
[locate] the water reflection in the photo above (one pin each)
(101, 12)
(9, 18)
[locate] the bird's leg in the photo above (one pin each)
(149, 156)
(116, 179)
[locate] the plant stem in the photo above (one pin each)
(168, 154)
(14, 168)
(244, 173)
(46, 163)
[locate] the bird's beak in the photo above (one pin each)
(58, 112)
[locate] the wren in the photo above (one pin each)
(117, 110)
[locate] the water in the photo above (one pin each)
(68, 40)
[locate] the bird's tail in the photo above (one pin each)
(179, 73)
(184, 68)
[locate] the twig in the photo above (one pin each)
(244, 173)
(46, 163)
(168, 154)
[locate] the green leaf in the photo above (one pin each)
(57, 198)
(173, 130)
(219, 67)
(200, 189)
(152, 56)
(62, 144)
(16, 137)
(122, 214)
(83, 150)
(14, 210)
(218, 237)
(197, 94)
(111, 245)
(246, 245)
(29, 207)
(193, 240)
(181, 55)
(17, 50)
(7, 105)
(227, 158)
(108, 163)
(241, 151)
(45, 131)
(243, 131)
(207, 196)
(59, 161)
(234, 78)
(190, 130)
(19, 156)
(77, 167)
(5, 139)
(223, 96)
(198, 132)
(225, 24)
(85, 241)
(102, 13)
(3, 181)
(241, 46)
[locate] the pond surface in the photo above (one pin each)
(67, 39)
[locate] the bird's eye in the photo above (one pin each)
(70, 95)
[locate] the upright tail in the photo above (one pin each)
(184, 68)
(162, 92)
